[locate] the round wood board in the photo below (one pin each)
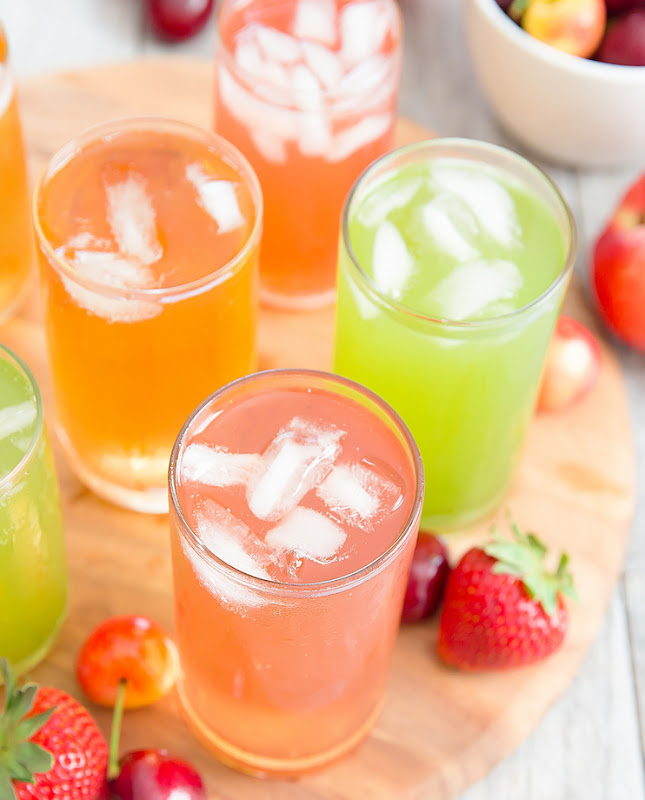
(440, 730)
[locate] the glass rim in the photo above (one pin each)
(335, 99)
(143, 122)
(459, 143)
(324, 587)
(10, 478)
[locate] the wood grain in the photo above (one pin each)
(440, 730)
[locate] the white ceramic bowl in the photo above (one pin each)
(568, 109)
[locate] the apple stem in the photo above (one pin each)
(113, 764)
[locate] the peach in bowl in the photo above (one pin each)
(568, 109)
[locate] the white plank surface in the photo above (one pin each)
(588, 747)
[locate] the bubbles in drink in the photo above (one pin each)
(477, 288)
(216, 466)
(297, 460)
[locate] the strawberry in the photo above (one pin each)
(50, 747)
(502, 607)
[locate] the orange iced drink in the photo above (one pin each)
(148, 233)
(295, 502)
(16, 239)
(307, 90)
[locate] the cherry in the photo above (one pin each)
(428, 573)
(131, 650)
(178, 19)
(155, 775)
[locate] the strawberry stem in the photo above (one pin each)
(115, 735)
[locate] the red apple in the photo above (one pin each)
(574, 26)
(618, 269)
(624, 40)
(571, 368)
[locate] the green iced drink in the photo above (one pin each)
(453, 263)
(33, 572)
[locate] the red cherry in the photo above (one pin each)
(133, 650)
(571, 367)
(178, 19)
(428, 573)
(155, 775)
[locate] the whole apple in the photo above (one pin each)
(624, 41)
(618, 268)
(573, 26)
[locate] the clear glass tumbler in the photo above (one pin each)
(148, 231)
(454, 259)
(286, 621)
(16, 236)
(307, 89)
(33, 569)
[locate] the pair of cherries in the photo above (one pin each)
(131, 662)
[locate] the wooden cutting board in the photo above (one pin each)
(440, 730)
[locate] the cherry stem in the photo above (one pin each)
(113, 764)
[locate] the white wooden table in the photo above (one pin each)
(590, 745)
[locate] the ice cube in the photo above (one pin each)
(363, 28)
(16, 418)
(247, 54)
(272, 148)
(217, 466)
(314, 133)
(112, 269)
(392, 262)
(217, 197)
(132, 218)
(297, 460)
(476, 287)
(6, 88)
(324, 63)
(350, 140)
(386, 199)
(449, 224)
(276, 45)
(316, 20)
(490, 202)
(365, 77)
(231, 541)
(305, 533)
(254, 113)
(306, 91)
(358, 493)
(115, 271)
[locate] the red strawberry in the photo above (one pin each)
(502, 608)
(50, 747)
